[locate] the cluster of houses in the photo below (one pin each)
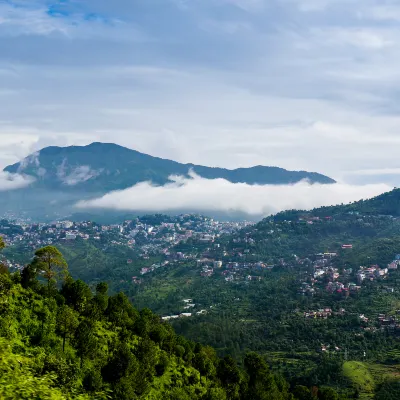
(340, 281)
(187, 305)
(323, 313)
(156, 238)
(231, 271)
(383, 322)
(146, 270)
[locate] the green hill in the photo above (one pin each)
(71, 343)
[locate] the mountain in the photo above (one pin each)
(102, 167)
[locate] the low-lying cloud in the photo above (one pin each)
(14, 181)
(77, 175)
(197, 194)
(80, 174)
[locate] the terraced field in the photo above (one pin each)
(368, 377)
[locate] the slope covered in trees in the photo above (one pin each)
(58, 340)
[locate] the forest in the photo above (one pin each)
(59, 340)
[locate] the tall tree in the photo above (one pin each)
(85, 340)
(29, 276)
(67, 322)
(262, 384)
(51, 263)
(77, 294)
(230, 376)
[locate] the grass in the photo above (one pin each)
(366, 376)
(359, 374)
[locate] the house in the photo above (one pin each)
(363, 318)
(319, 273)
(347, 246)
(360, 277)
(393, 265)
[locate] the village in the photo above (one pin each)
(323, 275)
(147, 236)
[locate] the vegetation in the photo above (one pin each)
(80, 341)
(70, 343)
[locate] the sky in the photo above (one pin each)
(301, 84)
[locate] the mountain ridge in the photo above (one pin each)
(108, 166)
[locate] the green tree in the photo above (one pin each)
(122, 364)
(29, 276)
(51, 263)
(85, 340)
(120, 311)
(77, 294)
(327, 393)
(302, 393)
(229, 374)
(262, 385)
(67, 322)
(203, 363)
(101, 298)
(215, 394)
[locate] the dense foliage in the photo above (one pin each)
(70, 343)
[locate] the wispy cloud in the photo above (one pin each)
(197, 194)
(13, 181)
(72, 176)
(80, 174)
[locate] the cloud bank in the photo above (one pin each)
(13, 181)
(197, 194)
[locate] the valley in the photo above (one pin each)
(315, 292)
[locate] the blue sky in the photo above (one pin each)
(302, 84)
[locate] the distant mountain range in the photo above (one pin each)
(65, 175)
(102, 167)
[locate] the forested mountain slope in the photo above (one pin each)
(70, 343)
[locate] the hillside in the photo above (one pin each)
(70, 343)
(102, 167)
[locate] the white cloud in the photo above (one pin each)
(32, 159)
(79, 175)
(218, 195)
(13, 181)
